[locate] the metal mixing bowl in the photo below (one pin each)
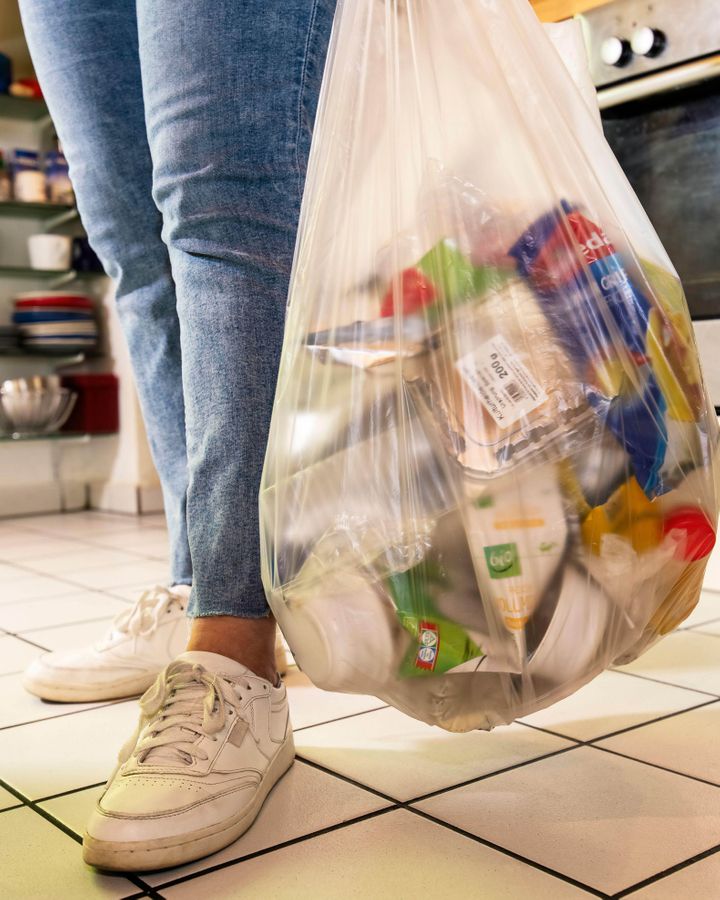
(31, 383)
(35, 411)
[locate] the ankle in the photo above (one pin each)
(251, 642)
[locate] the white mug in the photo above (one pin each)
(50, 251)
(29, 186)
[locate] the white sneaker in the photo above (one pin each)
(142, 641)
(212, 741)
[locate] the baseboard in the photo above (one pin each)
(120, 497)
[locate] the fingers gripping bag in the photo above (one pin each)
(491, 467)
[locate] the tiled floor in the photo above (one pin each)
(614, 792)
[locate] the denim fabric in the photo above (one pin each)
(187, 126)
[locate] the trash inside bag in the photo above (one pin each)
(491, 468)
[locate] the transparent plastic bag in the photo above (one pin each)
(491, 468)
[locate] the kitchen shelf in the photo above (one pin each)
(22, 108)
(57, 359)
(55, 436)
(24, 210)
(63, 275)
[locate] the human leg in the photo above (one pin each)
(86, 56)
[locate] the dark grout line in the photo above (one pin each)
(72, 712)
(678, 867)
(266, 850)
(53, 820)
(20, 634)
(652, 765)
(683, 687)
(70, 791)
(611, 734)
(11, 808)
(512, 854)
(672, 715)
(346, 778)
(487, 775)
(699, 630)
(26, 641)
(362, 712)
(407, 805)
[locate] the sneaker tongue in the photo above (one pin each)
(215, 662)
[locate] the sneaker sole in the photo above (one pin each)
(164, 853)
(66, 693)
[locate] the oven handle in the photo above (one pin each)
(681, 76)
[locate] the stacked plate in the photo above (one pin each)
(53, 322)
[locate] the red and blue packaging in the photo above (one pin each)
(601, 320)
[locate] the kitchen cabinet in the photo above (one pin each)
(555, 10)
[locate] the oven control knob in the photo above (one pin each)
(648, 42)
(616, 51)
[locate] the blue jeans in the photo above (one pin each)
(187, 126)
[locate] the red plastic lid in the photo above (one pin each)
(700, 534)
(69, 301)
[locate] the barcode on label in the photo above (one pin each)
(499, 378)
(515, 392)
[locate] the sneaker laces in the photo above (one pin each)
(186, 703)
(144, 616)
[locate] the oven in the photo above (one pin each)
(657, 69)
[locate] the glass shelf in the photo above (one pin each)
(23, 209)
(54, 436)
(56, 359)
(22, 108)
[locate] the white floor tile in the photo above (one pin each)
(303, 802)
(398, 855)
(611, 702)
(145, 542)
(311, 706)
(130, 592)
(80, 559)
(143, 570)
(6, 801)
(18, 706)
(32, 587)
(68, 637)
(80, 606)
(36, 546)
(404, 758)
(686, 658)
(688, 743)
(700, 881)
(10, 573)
(606, 821)
(81, 524)
(709, 628)
(43, 862)
(69, 752)
(15, 655)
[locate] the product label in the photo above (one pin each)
(499, 379)
(503, 561)
(429, 646)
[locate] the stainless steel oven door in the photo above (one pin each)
(665, 131)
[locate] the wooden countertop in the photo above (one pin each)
(555, 10)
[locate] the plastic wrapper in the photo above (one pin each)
(491, 468)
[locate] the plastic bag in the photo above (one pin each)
(490, 472)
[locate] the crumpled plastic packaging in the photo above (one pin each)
(491, 467)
